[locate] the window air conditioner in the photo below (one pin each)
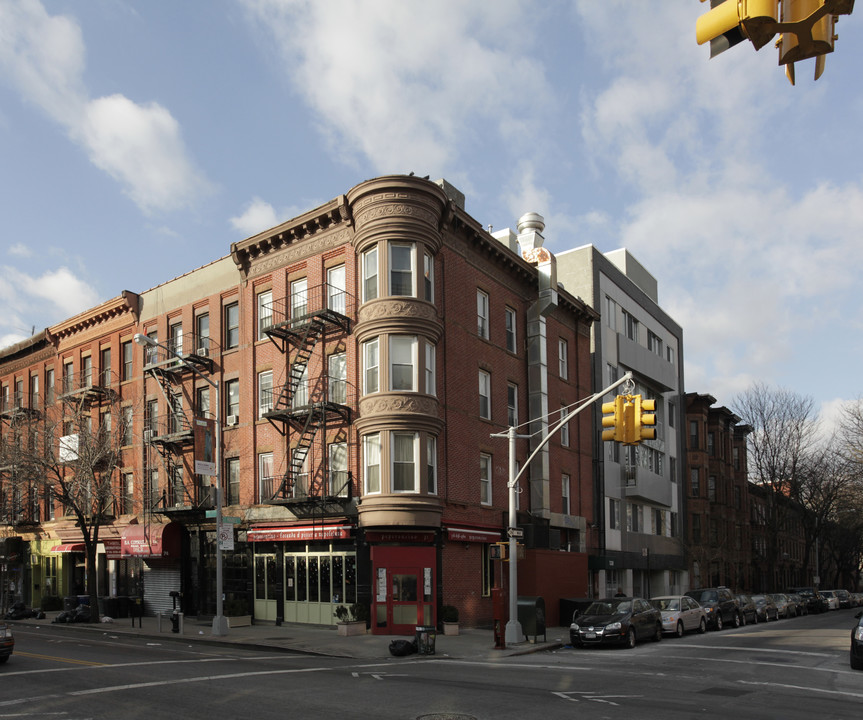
(203, 352)
(231, 420)
(148, 435)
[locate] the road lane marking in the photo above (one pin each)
(824, 691)
(71, 661)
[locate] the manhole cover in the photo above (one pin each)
(446, 716)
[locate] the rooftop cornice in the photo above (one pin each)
(126, 302)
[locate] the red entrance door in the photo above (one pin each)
(404, 590)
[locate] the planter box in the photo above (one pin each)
(450, 628)
(352, 628)
(235, 621)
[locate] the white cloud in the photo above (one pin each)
(407, 84)
(258, 215)
(140, 146)
(20, 250)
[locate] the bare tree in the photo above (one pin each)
(783, 437)
(69, 453)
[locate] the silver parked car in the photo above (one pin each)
(680, 614)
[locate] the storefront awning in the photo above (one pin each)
(460, 534)
(300, 532)
(151, 541)
(68, 547)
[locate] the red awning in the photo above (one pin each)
(151, 541)
(68, 547)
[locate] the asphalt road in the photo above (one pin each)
(790, 669)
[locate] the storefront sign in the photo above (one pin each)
(113, 548)
(472, 535)
(301, 532)
(417, 536)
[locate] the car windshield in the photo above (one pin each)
(666, 603)
(609, 607)
(707, 596)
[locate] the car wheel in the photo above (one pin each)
(679, 628)
(630, 638)
(719, 622)
(736, 620)
(743, 619)
(657, 636)
(702, 626)
(856, 662)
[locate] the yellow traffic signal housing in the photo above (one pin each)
(645, 419)
(729, 22)
(612, 420)
(629, 419)
(808, 31)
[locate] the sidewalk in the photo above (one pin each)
(309, 639)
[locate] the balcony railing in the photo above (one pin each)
(198, 350)
(88, 385)
(168, 428)
(326, 302)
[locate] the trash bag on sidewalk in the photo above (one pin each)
(400, 648)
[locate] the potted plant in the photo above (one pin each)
(449, 618)
(237, 612)
(352, 619)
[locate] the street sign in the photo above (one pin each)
(515, 532)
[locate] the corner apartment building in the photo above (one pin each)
(359, 358)
(637, 541)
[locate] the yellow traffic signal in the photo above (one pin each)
(612, 420)
(629, 437)
(645, 418)
(808, 31)
(729, 22)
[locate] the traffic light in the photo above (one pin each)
(808, 31)
(612, 419)
(729, 22)
(645, 419)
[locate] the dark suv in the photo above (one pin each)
(813, 599)
(719, 604)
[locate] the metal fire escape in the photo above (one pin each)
(171, 433)
(298, 327)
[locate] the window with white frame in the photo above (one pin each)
(485, 479)
(301, 391)
(265, 312)
(512, 404)
(510, 319)
(371, 367)
(337, 369)
(562, 359)
(564, 494)
(372, 464)
(431, 464)
(370, 274)
(428, 277)
(265, 392)
(401, 259)
(265, 476)
(403, 357)
(482, 328)
(336, 289)
(610, 313)
(338, 462)
(299, 298)
(232, 326)
(404, 462)
(430, 368)
(484, 395)
(564, 429)
(232, 397)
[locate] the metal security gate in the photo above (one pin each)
(161, 578)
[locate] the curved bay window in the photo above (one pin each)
(407, 269)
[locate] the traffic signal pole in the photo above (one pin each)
(514, 632)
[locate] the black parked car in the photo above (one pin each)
(857, 643)
(616, 621)
(720, 605)
(765, 607)
(748, 611)
(814, 601)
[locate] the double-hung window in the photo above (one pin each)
(232, 325)
(484, 395)
(512, 405)
(403, 350)
(372, 463)
(404, 462)
(510, 330)
(428, 277)
(562, 359)
(485, 479)
(336, 289)
(338, 461)
(232, 398)
(431, 464)
(265, 312)
(337, 369)
(482, 314)
(265, 476)
(401, 268)
(370, 274)
(371, 366)
(265, 392)
(430, 369)
(299, 298)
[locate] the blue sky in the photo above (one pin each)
(138, 140)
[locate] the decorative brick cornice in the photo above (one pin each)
(125, 304)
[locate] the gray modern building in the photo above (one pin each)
(636, 541)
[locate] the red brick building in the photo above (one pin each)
(364, 354)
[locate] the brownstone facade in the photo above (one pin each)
(364, 354)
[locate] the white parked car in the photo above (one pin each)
(831, 598)
(680, 614)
